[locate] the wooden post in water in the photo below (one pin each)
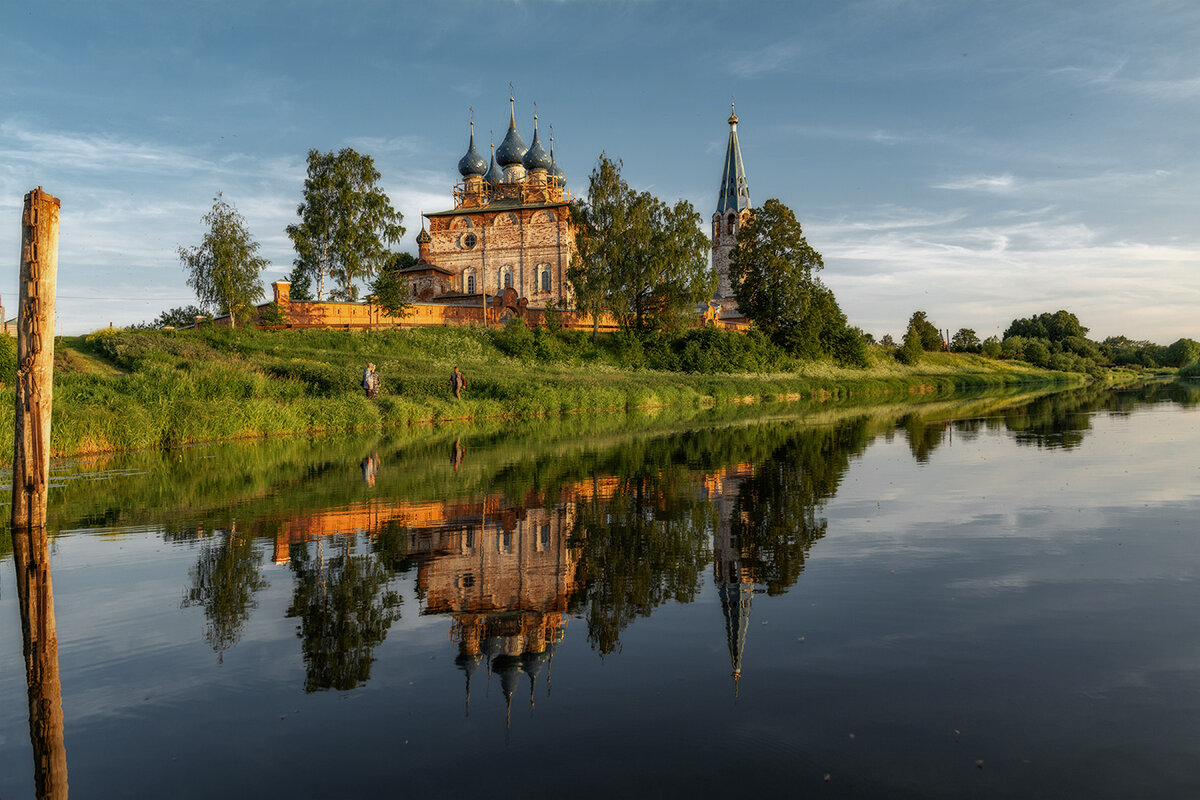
(35, 360)
(31, 473)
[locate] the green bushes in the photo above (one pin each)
(8, 359)
(179, 387)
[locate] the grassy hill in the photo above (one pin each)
(138, 389)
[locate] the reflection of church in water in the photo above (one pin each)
(505, 570)
(505, 578)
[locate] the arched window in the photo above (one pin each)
(471, 282)
(544, 277)
(732, 222)
(505, 279)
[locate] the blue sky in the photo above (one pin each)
(980, 160)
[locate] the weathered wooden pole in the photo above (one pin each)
(35, 360)
(31, 473)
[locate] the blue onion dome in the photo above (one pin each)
(555, 169)
(472, 163)
(494, 174)
(512, 149)
(536, 157)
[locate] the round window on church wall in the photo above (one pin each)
(467, 241)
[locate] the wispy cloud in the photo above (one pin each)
(1120, 77)
(772, 58)
(1087, 184)
(1003, 184)
(20, 144)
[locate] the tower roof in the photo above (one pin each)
(555, 169)
(735, 605)
(472, 163)
(512, 149)
(735, 191)
(536, 156)
(494, 174)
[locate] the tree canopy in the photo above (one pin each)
(646, 261)
(966, 341)
(389, 290)
(223, 269)
(346, 222)
(772, 271)
(301, 284)
(178, 317)
(931, 339)
(1055, 327)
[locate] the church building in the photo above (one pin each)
(508, 234)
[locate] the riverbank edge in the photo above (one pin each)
(129, 424)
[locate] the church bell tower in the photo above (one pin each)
(733, 208)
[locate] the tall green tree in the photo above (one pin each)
(931, 338)
(223, 269)
(389, 290)
(301, 284)
(772, 270)
(1181, 353)
(965, 341)
(604, 211)
(346, 222)
(644, 260)
(1055, 327)
(910, 350)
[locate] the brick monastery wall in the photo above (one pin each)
(361, 316)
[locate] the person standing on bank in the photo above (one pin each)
(458, 382)
(370, 381)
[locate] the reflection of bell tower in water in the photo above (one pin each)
(734, 586)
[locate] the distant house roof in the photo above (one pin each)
(419, 268)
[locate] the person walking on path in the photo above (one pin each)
(458, 382)
(370, 381)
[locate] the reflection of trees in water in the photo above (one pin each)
(642, 546)
(390, 544)
(224, 581)
(345, 609)
(1058, 420)
(923, 436)
(774, 521)
(648, 541)
(1055, 421)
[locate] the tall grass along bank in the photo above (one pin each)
(140, 389)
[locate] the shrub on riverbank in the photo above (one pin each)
(134, 389)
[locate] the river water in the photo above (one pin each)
(997, 596)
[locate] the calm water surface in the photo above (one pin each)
(998, 598)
